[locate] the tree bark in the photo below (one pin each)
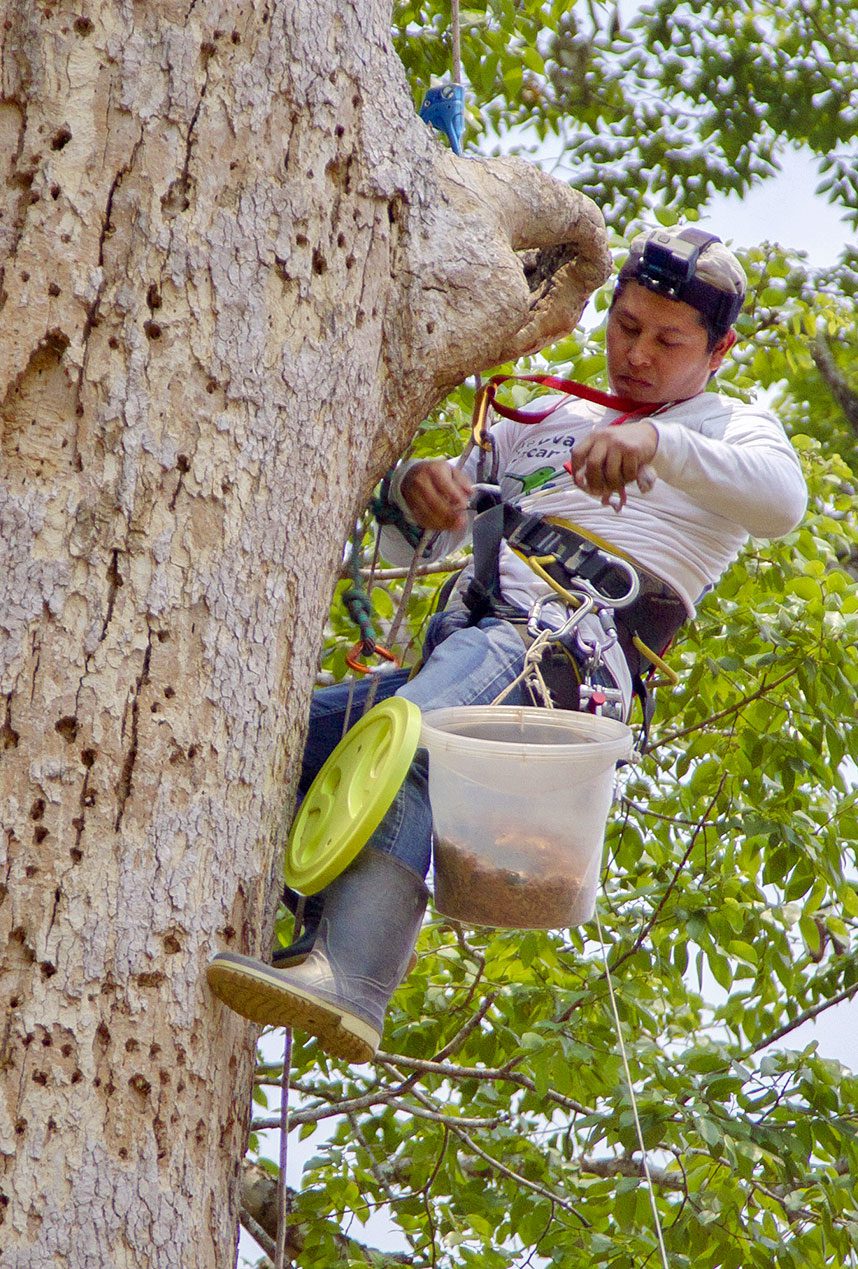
(237, 272)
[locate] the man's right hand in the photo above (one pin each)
(437, 495)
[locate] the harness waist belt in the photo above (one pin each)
(564, 554)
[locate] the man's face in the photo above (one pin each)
(657, 348)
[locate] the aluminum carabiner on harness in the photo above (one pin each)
(573, 617)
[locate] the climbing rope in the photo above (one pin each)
(282, 1189)
(632, 1098)
(456, 32)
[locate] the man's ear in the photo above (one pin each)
(719, 352)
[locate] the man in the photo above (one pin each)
(676, 488)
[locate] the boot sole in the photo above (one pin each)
(260, 994)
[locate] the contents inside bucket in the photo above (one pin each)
(520, 798)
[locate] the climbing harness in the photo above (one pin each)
(563, 555)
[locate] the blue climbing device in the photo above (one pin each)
(444, 109)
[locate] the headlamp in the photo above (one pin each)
(667, 266)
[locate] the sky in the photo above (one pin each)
(786, 210)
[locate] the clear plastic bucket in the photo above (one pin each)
(520, 798)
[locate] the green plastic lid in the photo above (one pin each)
(349, 797)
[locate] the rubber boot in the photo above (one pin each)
(296, 952)
(339, 994)
(301, 947)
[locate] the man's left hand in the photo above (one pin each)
(612, 457)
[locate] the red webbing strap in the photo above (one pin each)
(567, 386)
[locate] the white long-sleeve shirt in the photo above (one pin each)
(725, 472)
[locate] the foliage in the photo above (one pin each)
(498, 1129)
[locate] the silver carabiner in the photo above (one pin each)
(588, 603)
(595, 647)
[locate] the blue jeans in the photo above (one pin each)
(463, 665)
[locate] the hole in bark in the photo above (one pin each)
(183, 463)
(88, 757)
(341, 240)
(31, 870)
(37, 810)
(40, 1077)
(8, 736)
(430, 327)
(66, 1050)
(171, 944)
(55, 192)
(152, 978)
(67, 727)
(235, 37)
(20, 1127)
(89, 798)
(47, 969)
(53, 289)
(320, 264)
(102, 1034)
(113, 342)
(39, 835)
(339, 130)
(123, 1153)
(164, 636)
(83, 26)
(14, 1002)
(61, 138)
(169, 692)
(131, 1044)
(76, 854)
(152, 329)
(140, 1084)
(153, 297)
(77, 1076)
(301, 240)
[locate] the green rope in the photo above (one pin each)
(356, 597)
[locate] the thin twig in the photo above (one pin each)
(724, 713)
(809, 1014)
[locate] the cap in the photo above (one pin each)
(690, 265)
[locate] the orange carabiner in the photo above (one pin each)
(360, 667)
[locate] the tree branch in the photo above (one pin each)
(845, 396)
(807, 1016)
(259, 1203)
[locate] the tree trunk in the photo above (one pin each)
(238, 271)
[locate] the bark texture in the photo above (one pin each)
(236, 272)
